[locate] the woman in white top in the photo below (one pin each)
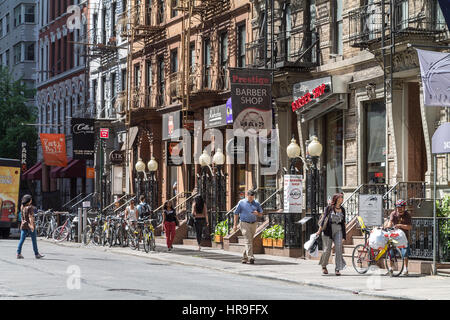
(131, 213)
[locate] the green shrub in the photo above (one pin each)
(221, 228)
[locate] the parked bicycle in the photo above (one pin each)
(67, 230)
(145, 233)
(364, 256)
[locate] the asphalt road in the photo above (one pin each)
(82, 273)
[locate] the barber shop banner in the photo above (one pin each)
(445, 7)
(54, 149)
(435, 73)
(251, 99)
(83, 135)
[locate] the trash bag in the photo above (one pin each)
(377, 239)
(399, 236)
(312, 246)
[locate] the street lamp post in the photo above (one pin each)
(153, 167)
(314, 151)
(219, 186)
(140, 168)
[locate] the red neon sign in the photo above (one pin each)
(302, 101)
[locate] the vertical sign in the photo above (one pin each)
(23, 156)
(104, 133)
(54, 149)
(83, 136)
(251, 99)
(293, 193)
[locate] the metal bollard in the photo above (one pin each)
(80, 210)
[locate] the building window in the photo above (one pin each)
(17, 16)
(137, 77)
(173, 12)
(113, 18)
(223, 60)
(7, 23)
(375, 138)
(29, 51)
(94, 93)
(192, 57)
(29, 13)
(161, 11)
(104, 26)
(7, 58)
(103, 100)
(161, 83)
(1, 28)
(94, 27)
(241, 46)
(17, 53)
(174, 61)
(123, 86)
(207, 63)
(338, 29)
(149, 81)
(113, 90)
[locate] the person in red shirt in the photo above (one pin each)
(401, 219)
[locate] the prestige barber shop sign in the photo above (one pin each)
(251, 98)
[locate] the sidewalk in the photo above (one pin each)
(295, 270)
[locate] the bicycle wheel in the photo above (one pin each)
(152, 241)
(49, 230)
(393, 259)
(97, 237)
(132, 240)
(87, 235)
(361, 258)
(61, 233)
(110, 236)
(146, 241)
(45, 230)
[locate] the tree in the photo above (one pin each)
(14, 115)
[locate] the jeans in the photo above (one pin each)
(23, 235)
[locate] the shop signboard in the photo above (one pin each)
(83, 136)
(215, 116)
(116, 157)
(23, 156)
(310, 92)
(251, 99)
(293, 196)
(435, 73)
(371, 209)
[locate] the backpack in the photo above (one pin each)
(144, 210)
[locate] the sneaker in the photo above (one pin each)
(39, 256)
(19, 256)
(244, 261)
(390, 273)
(405, 273)
(252, 261)
(169, 249)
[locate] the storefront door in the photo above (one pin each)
(334, 131)
(375, 142)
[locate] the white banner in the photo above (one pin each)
(293, 197)
(435, 72)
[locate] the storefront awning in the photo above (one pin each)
(55, 172)
(34, 173)
(74, 169)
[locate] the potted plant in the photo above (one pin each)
(267, 237)
(220, 231)
(278, 235)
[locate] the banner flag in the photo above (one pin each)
(54, 149)
(435, 73)
(83, 136)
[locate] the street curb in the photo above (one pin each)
(297, 282)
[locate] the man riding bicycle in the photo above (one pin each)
(401, 219)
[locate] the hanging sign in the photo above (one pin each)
(251, 99)
(104, 133)
(54, 149)
(307, 92)
(83, 136)
(440, 142)
(23, 156)
(293, 197)
(435, 73)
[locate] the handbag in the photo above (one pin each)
(190, 220)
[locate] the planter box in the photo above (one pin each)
(267, 242)
(218, 239)
(278, 243)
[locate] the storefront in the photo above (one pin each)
(320, 105)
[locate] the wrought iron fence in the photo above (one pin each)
(421, 240)
(410, 191)
(351, 204)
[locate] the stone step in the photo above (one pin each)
(358, 240)
(193, 242)
(348, 249)
(241, 239)
(236, 247)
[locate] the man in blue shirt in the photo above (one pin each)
(247, 210)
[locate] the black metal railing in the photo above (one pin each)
(351, 204)
(366, 22)
(411, 191)
(296, 48)
(421, 240)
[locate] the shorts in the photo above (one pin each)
(406, 252)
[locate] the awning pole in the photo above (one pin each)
(434, 219)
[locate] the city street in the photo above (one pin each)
(107, 275)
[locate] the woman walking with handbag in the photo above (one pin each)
(200, 213)
(170, 223)
(28, 226)
(332, 223)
